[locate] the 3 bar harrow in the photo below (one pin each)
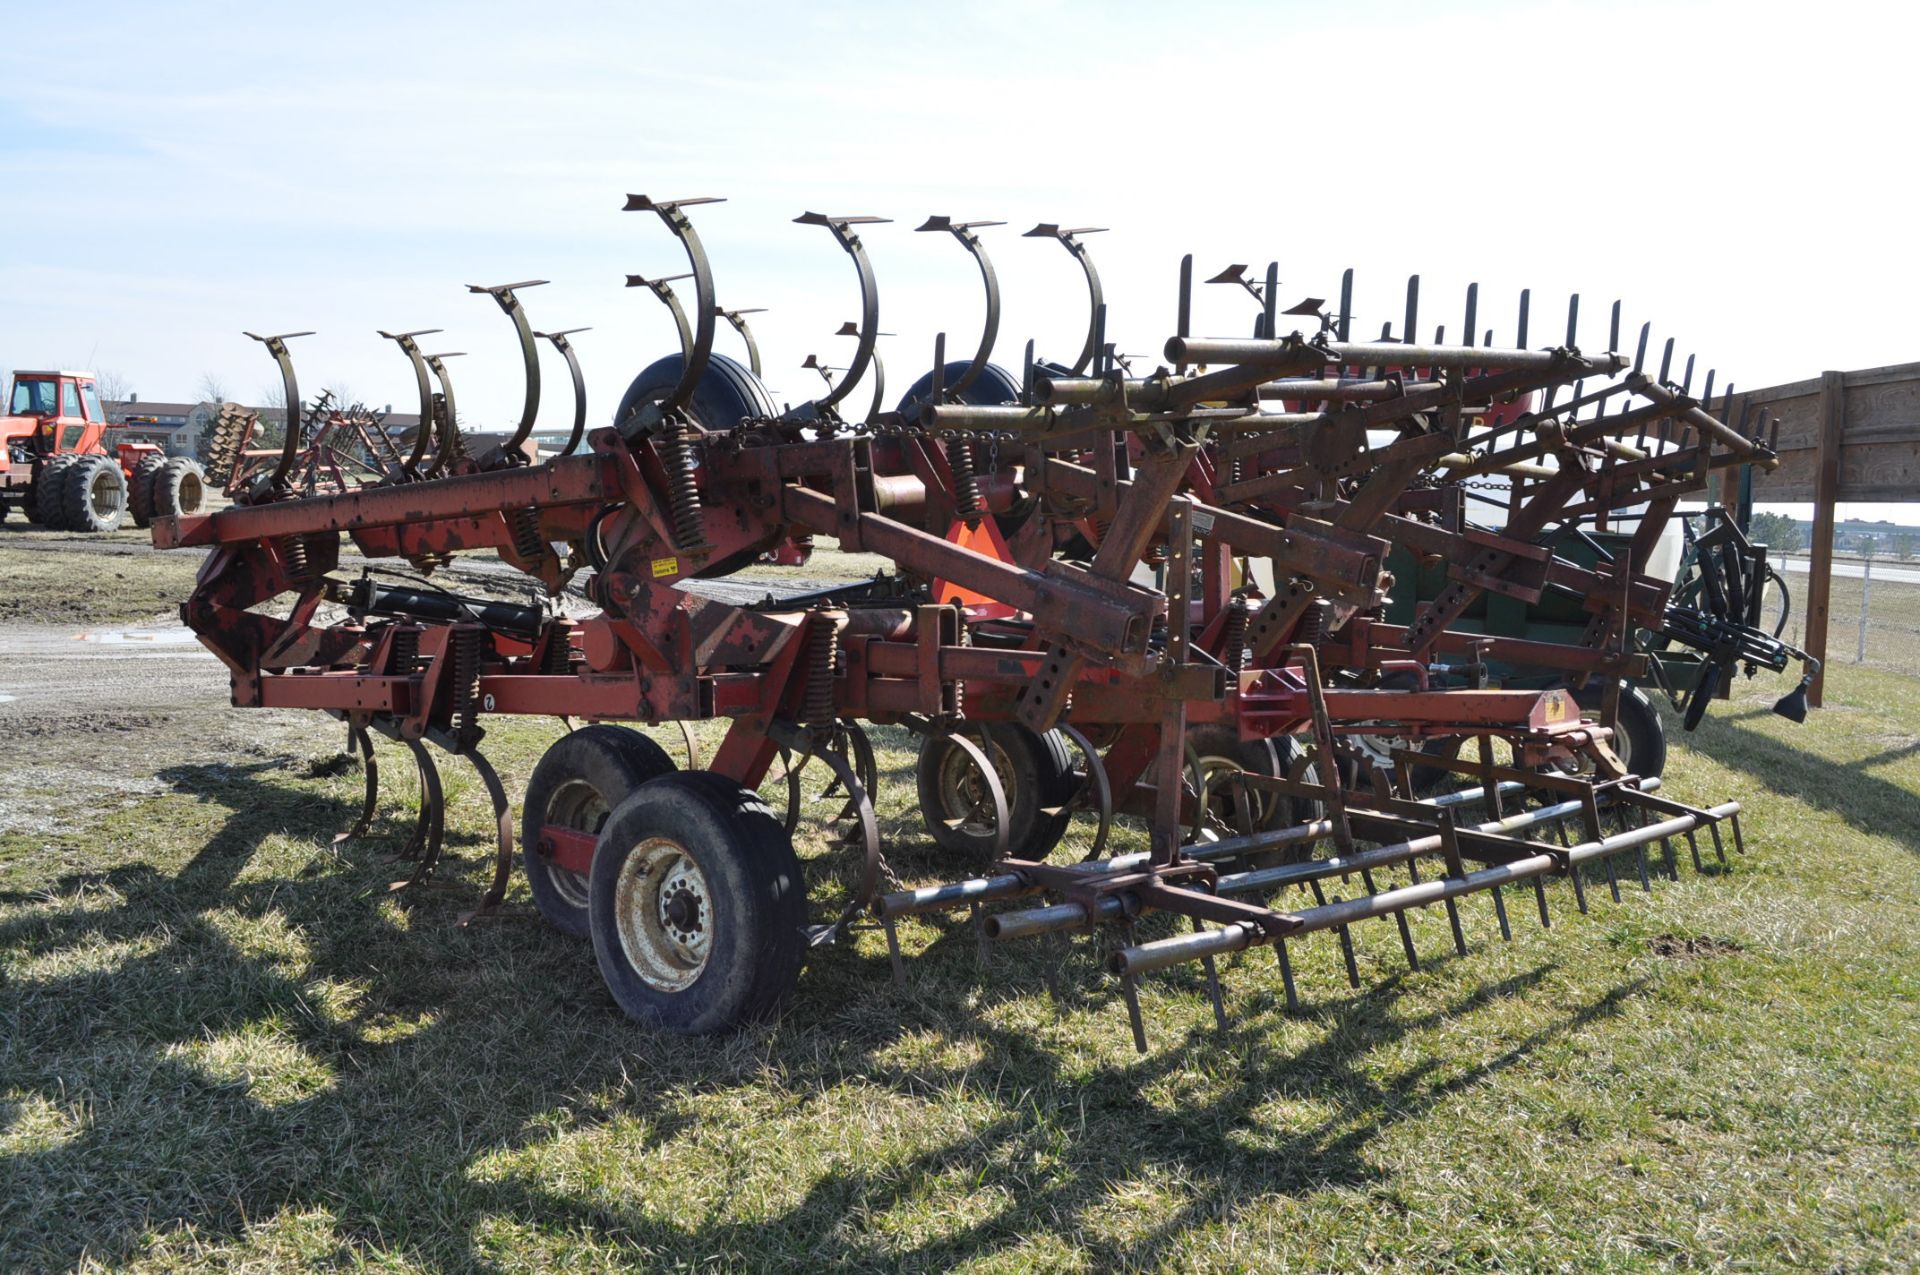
(1157, 597)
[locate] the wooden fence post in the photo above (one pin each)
(1826, 492)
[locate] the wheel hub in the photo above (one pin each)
(663, 910)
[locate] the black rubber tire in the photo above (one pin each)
(94, 496)
(1640, 738)
(179, 488)
(756, 928)
(579, 782)
(1038, 777)
(728, 392)
(994, 386)
(140, 490)
(47, 506)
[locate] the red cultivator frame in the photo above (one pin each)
(1080, 554)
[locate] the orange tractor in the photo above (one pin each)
(55, 464)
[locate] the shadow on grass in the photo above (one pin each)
(1850, 789)
(457, 1045)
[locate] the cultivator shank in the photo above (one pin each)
(1179, 578)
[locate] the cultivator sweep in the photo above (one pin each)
(1151, 597)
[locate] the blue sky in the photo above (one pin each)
(1738, 173)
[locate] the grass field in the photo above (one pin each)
(224, 1044)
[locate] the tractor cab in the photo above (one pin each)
(51, 413)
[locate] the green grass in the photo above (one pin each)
(225, 1044)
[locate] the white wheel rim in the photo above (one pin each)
(663, 913)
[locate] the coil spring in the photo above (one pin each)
(293, 555)
(1233, 640)
(466, 686)
(683, 496)
(823, 659)
(558, 659)
(406, 650)
(966, 486)
(527, 540)
(1313, 624)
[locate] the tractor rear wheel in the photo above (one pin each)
(1035, 773)
(577, 785)
(697, 904)
(46, 503)
(95, 494)
(140, 489)
(179, 488)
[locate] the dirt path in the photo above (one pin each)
(87, 717)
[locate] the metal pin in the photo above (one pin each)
(1693, 844)
(1613, 878)
(1500, 910)
(1540, 897)
(1719, 851)
(1453, 920)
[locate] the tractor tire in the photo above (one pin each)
(995, 385)
(1036, 772)
(697, 906)
(140, 489)
(95, 495)
(727, 393)
(179, 488)
(1640, 737)
(46, 505)
(578, 784)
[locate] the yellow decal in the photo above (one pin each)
(1557, 706)
(665, 567)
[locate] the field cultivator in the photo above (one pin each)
(1157, 598)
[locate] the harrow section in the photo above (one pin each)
(1154, 597)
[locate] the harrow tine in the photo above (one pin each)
(560, 343)
(1183, 310)
(1573, 321)
(357, 738)
(503, 837)
(290, 395)
(1500, 911)
(1286, 975)
(1412, 323)
(1666, 361)
(698, 346)
(503, 293)
(1096, 296)
(430, 826)
(990, 327)
(1640, 350)
(1520, 326)
(738, 318)
(1613, 328)
(1344, 327)
(1213, 986)
(410, 466)
(1473, 312)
